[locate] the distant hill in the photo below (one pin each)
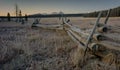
(114, 13)
(56, 15)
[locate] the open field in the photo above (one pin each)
(26, 48)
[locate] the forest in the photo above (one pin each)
(115, 12)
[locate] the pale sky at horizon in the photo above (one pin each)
(49, 6)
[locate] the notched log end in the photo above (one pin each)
(96, 47)
(102, 29)
(98, 37)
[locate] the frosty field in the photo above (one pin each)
(26, 48)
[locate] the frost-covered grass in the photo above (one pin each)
(24, 48)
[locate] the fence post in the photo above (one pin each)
(107, 17)
(91, 34)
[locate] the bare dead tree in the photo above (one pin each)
(16, 11)
(20, 16)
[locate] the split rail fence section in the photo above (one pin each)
(95, 40)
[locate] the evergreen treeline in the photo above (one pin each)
(115, 12)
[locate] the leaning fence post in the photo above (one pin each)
(107, 17)
(62, 21)
(104, 28)
(91, 34)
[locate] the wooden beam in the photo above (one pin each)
(110, 45)
(48, 26)
(91, 34)
(76, 40)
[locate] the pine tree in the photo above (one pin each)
(8, 16)
(20, 15)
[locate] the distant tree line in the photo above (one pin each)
(115, 12)
(20, 16)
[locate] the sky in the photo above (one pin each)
(49, 6)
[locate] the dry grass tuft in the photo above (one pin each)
(77, 57)
(109, 58)
(7, 53)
